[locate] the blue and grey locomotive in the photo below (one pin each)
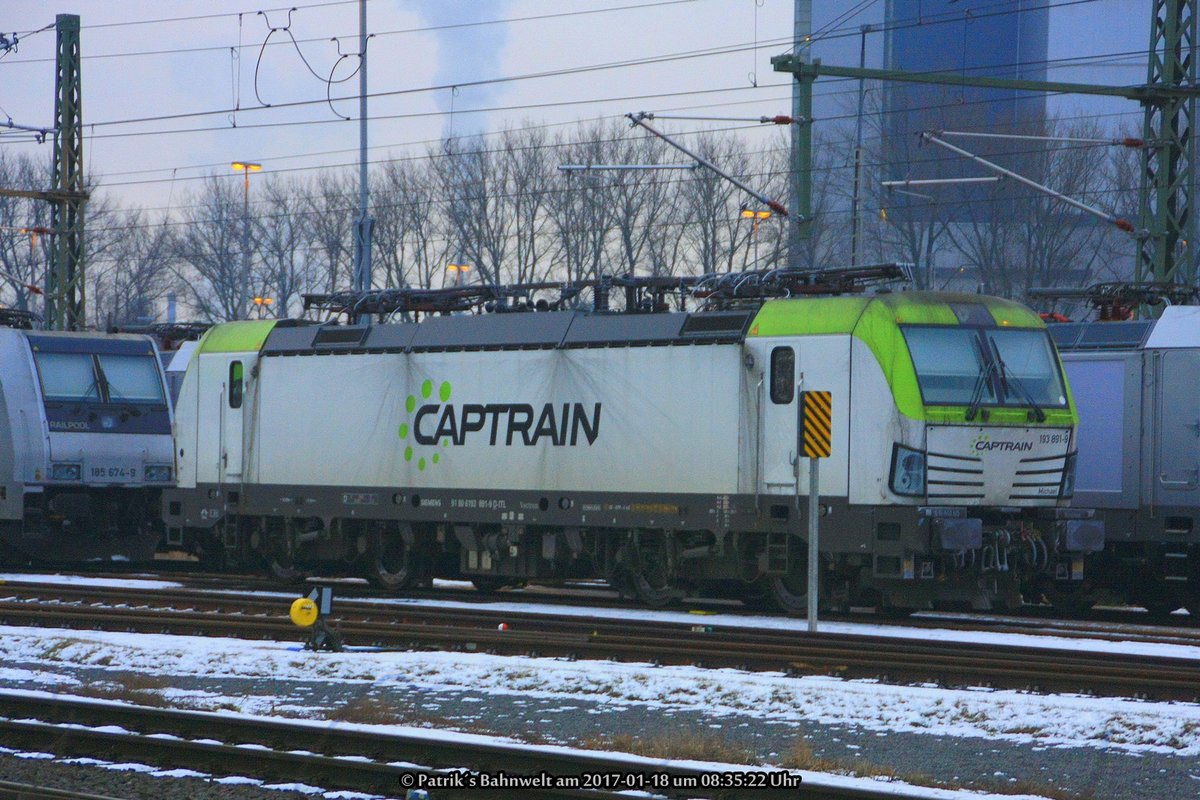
(85, 446)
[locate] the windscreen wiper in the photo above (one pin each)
(1038, 413)
(985, 373)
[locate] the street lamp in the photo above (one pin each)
(246, 167)
(757, 216)
(263, 304)
(460, 271)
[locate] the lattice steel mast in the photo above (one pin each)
(65, 274)
(1166, 210)
(1167, 227)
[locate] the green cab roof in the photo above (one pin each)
(818, 315)
(246, 336)
(876, 319)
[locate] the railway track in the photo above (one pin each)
(478, 629)
(380, 762)
(11, 790)
(1112, 624)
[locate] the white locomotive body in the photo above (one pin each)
(654, 450)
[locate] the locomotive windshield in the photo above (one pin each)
(68, 377)
(985, 366)
(132, 379)
(109, 378)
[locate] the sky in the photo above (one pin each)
(198, 73)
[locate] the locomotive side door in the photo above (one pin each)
(232, 400)
(776, 404)
(1176, 478)
(824, 361)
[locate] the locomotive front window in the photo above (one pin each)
(1026, 355)
(949, 362)
(989, 366)
(68, 377)
(132, 379)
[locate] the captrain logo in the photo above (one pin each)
(984, 443)
(501, 424)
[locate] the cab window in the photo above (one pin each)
(235, 384)
(783, 375)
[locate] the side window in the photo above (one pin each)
(783, 375)
(235, 384)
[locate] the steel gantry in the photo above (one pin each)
(65, 274)
(1166, 211)
(1166, 219)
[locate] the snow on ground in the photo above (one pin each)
(88, 580)
(627, 762)
(1058, 720)
(156, 772)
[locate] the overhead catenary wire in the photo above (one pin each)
(509, 196)
(319, 39)
(318, 168)
(525, 106)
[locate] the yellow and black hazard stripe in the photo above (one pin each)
(818, 423)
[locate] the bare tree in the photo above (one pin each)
(284, 240)
(208, 252)
(1064, 247)
(23, 255)
(478, 214)
(330, 210)
(713, 205)
(646, 207)
(581, 208)
(135, 274)
(529, 169)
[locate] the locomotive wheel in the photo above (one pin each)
(283, 569)
(392, 564)
(790, 592)
(651, 573)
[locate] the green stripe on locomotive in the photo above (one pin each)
(246, 336)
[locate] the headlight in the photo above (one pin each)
(65, 472)
(1066, 489)
(158, 474)
(908, 472)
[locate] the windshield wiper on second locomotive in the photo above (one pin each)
(1038, 413)
(986, 367)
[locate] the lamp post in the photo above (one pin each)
(460, 271)
(263, 304)
(757, 217)
(245, 167)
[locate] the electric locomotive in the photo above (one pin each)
(1139, 451)
(654, 449)
(85, 446)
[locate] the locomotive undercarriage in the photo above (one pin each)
(893, 558)
(64, 525)
(1159, 576)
